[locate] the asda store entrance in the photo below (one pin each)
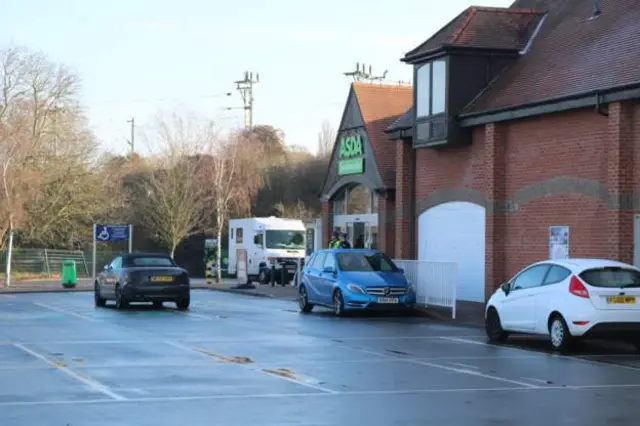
(355, 211)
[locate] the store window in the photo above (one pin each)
(358, 200)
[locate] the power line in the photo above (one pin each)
(245, 87)
(123, 101)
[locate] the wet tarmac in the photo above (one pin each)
(237, 360)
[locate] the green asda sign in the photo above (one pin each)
(351, 155)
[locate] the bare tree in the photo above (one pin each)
(326, 139)
(235, 178)
(31, 89)
(172, 200)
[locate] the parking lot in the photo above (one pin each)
(238, 360)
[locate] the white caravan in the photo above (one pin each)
(271, 243)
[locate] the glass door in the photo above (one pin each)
(350, 233)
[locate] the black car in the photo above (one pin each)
(143, 277)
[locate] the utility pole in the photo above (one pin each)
(245, 87)
(133, 126)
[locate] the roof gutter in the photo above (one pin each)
(592, 98)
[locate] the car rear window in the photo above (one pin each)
(149, 261)
(611, 277)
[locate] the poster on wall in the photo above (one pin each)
(558, 242)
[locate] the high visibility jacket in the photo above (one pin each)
(333, 244)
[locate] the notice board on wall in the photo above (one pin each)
(558, 242)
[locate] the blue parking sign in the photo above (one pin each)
(111, 233)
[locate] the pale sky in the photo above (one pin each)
(138, 57)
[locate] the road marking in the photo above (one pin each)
(281, 374)
(465, 365)
(313, 395)
(191, 314)
(65, 312)
(556, 355)
(454, 369)
(89, 382)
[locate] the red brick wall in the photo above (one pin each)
(554, 170)
(570, 144)
(403, 214)
(386, 224)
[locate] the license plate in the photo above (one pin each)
(388, 300)
(161, 279)
(621, 300)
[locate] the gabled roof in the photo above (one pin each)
(483, 28)
(570, 56)
(381, 105)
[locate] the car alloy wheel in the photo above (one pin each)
(559, 334)
(338, 303)
(303, 301)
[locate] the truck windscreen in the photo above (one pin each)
(283, 239)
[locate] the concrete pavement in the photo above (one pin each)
(234, 360)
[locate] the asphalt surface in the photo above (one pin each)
(237, 360)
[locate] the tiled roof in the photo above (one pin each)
(571, 55)
(405, 121)
(484, 27)
(380, 105)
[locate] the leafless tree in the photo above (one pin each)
(235, 177)
(171, 198)
(31, 90)
(326, 139)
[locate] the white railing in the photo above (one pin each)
(436, 282)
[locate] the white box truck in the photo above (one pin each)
(271, 243)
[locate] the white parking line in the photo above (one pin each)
(454, 369)
(315, 395)
(65, 312)
(272, 373)
(89, 382)
(475, 367)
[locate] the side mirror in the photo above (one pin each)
(257, 240)
(106, 267)
(506, 287)
(329, 270)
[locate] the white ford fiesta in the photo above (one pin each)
(568, 300)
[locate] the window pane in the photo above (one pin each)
(423, 87)
(530, 278)
(330, 262)
(611, 277)
(556, 274)
(318, 261)
(423, 131)
(358, 200)
(439, 87)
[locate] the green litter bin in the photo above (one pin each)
(69, 273)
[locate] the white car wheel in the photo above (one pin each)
(559, 332)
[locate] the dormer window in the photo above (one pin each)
(431, 100)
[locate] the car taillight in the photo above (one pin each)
(577, 288)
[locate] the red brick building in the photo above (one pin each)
(524, 118)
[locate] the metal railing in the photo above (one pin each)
(47, 263)
(436, 283)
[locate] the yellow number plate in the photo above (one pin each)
(621, 300)
(161, 279)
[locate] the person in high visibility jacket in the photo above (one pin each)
(334, 242)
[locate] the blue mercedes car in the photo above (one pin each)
(353, 279)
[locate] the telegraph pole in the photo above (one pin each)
(245, 87)
(133, 126)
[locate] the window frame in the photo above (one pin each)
(437, 126)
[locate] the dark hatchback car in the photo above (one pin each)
(143, 277)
